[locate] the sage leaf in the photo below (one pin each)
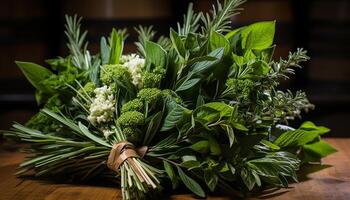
(190, 183)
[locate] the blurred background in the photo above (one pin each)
(32, 30)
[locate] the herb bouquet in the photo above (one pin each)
(199, 107)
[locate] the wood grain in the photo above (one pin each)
(332, 182)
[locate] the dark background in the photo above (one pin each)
(32, 30)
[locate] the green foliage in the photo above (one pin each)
(116, 45)
(204, 100)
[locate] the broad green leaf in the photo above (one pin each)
(155, 54)
(214, 146)
(200, 59)
(299, 137)
(178, 44)
(191, 41)
(239, 126)
(171, 174)
(191, 164)
(173, 117)
(105, 51)
(270, 145)
(217, 40)
(117, 45)
(187, 84)
(190, 183)
(259, 35)
(260, 68)
(233, 33)
(205, 65)
(201, 146)
(319, 149)
(224, 109)
(312, 127)
(35, 74)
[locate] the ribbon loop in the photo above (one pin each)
(123, 151)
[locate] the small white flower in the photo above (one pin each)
(134, 63)
(103, 106)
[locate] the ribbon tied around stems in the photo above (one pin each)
(126, 151)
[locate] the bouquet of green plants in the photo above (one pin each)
(199, 107)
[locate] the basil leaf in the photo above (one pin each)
(187, 84)
(258, 35)
(35, 74)
(155, 54)
(178, 43)
(173, 117)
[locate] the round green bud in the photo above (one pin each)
(133, 105)
(131, 118)
(110, 72)
(150, 95)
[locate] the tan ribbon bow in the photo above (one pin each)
(123, 151)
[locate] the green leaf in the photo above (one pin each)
(299, 137)
(200, 67)
(259, 35)
(224, 109)
(248, 178)
(218, 40)
(187, 84)
(152, 129)
(173, 117)
(211, 179)
(233, 33)
(171, 174)
(35, 74)
(191, 164)
(201, 146)
(319, 149)
(239, 126)
(155, 54)
(274, 167)
(178, 44)
(190, 183)
(117, 44)
(214, 146)
(105, 51)
(229, 132)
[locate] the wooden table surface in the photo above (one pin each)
(332, 182)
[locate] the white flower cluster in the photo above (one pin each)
(103, 106)
(134, 63)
